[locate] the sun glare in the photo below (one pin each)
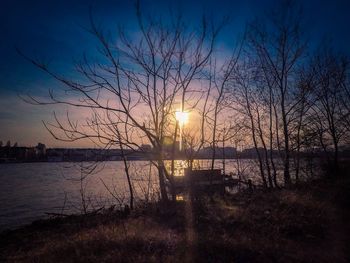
(181, 117)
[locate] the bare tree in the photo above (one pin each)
(220, 77)
(328, 110)
(279, 47)
(244, 101)
(132, 91)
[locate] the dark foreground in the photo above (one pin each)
(308, 224)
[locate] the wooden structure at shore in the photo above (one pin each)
(203, 181)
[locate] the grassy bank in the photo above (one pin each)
(307, 224)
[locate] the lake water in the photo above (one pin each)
(30, 190)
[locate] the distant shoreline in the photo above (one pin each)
(138, 159)
(130, 159)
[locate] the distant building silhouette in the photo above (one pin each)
(22, 154)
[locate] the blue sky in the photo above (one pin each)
(54, 31)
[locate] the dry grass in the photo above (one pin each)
(135, 239)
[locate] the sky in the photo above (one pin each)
(54, 31)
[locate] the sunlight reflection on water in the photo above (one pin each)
(29, 190)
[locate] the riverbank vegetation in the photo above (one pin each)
(305, 224)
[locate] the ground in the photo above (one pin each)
(306, 224)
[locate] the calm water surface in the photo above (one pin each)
(30, 190)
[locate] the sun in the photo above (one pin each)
(181, 117)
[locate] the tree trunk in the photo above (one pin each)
(286, 173)
(162, 186)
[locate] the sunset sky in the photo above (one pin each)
(54, 31)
